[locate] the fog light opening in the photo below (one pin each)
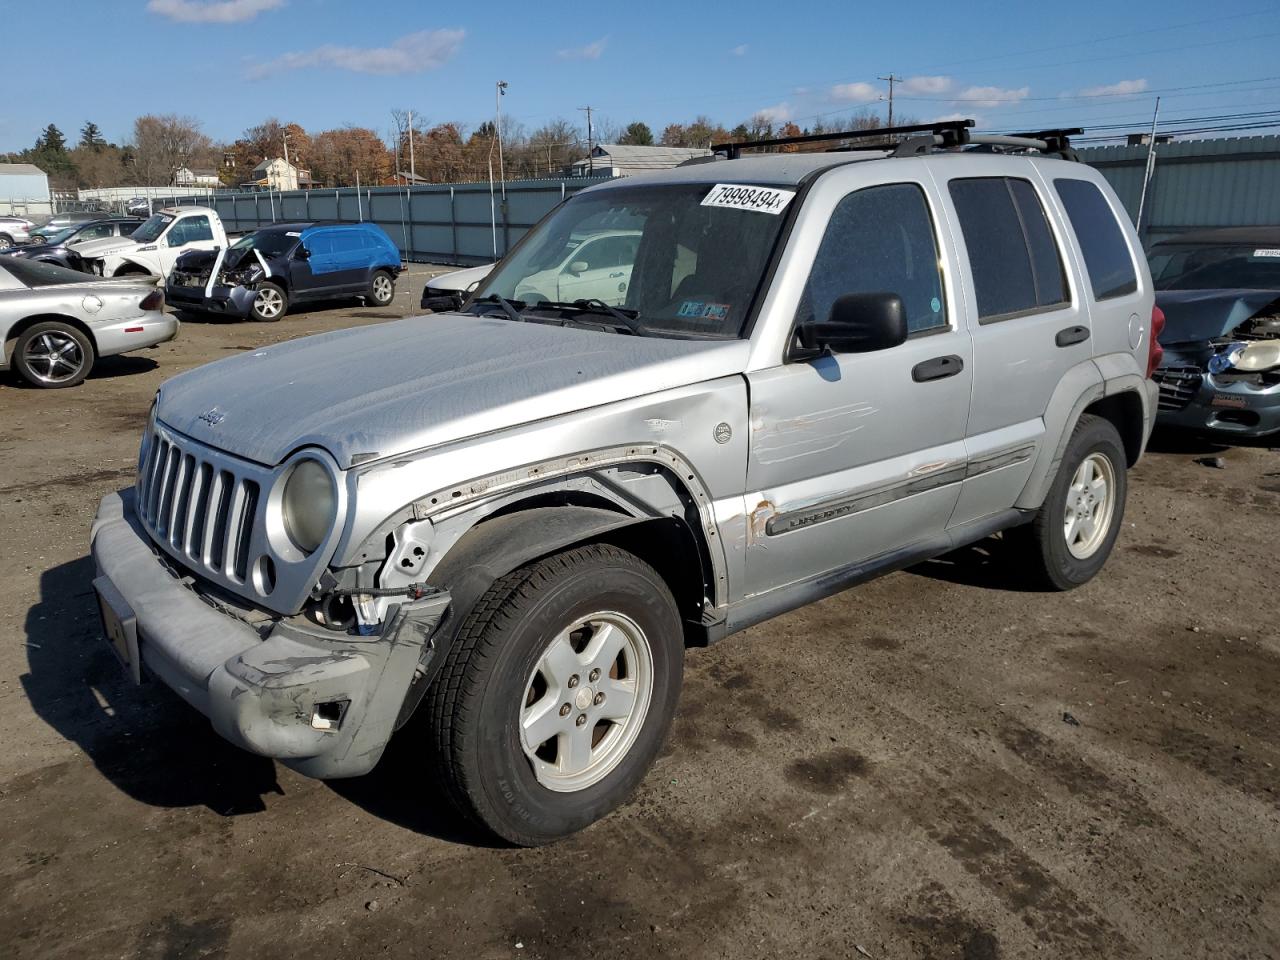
(328, 716)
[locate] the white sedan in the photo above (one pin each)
(54, 323)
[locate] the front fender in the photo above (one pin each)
(113, 265)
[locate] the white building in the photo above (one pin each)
(24, 190)
(276, 173)
(619, 159)
(187, 177)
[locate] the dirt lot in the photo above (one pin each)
(935, 765)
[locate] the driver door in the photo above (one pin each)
(856, 458)
(599, 269)
(186, 233)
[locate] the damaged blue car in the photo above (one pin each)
(1220, 293)
(263, 273)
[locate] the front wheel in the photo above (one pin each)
(1072, 534)
(53, 354)
(382, 289)
(269, 303)
(558, 693)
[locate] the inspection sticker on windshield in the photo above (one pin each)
(1267, 252)
(735, 196)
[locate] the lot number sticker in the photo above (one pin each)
(1267, 252)
(736, 196)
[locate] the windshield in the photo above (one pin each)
(271, 243)
(682, 266)
(61, 236)
(1222, 266)
(152, 228)
(33, 273)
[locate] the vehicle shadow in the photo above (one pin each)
(987, 564)
(125, 365)
(1188, 443)
(148, 743)
(402, 790)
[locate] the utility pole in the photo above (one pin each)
(1150, 168)
(497, 102)
(891, 80)
(591, 160)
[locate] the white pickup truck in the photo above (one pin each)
(152, 249)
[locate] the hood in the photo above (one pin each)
(198, 259)
(394, 387)
(94, 249)
(460, 279)
(1192, 315)
(34, 249)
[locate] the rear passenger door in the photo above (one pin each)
(855, 456)
(1029, 325)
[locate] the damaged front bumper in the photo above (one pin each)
(325, 705)
(1226, 403)
(227, 300)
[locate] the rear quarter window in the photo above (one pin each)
(1106, 254)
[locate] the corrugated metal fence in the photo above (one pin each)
(438, 223)
(1229, 182)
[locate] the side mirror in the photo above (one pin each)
(442, 302)
(858, 323)
(579, 266)
(303, 254)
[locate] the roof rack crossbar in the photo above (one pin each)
(951, 132)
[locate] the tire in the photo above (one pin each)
(510, 657)
(270, 303)
(6, 241)
(52, 355)
(382, 289)
(1090, 488)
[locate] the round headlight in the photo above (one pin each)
(309, 504)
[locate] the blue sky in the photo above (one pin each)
(326, 63)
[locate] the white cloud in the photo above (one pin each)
(412, 53)
(591, 51)
(1115, 89)
(740, 50)
(927, 84)
(855, 92)
(991, 96)
(778, 113)
(212, 11)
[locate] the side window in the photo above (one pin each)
(320, 244)
(1016, 264)
(879, 240)
(126, 229)
(197, 228)
(1106, 255)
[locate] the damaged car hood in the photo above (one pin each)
(1192, 315)
(107, 246)
(415, 383)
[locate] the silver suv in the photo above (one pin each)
(803, 370)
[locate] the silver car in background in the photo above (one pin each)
(14, 230)
(55, 324)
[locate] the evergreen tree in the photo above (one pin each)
(52, 140)
(637, 134)
(91, 136)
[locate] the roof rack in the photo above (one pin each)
(952, 132)
(945, 134)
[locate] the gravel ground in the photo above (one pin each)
(933, 765)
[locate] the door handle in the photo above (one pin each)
(937, 369)
(1071, 336)
(615, 276)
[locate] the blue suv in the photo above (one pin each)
(262, 273)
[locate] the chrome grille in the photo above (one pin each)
(202, 512)
(1177, 385)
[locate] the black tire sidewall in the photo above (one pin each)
(513, 801)
(86, 349)
(1065, 569)
(253, 308)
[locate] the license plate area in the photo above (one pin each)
(120, 626)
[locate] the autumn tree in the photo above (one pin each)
(162, 144)
(338, 156)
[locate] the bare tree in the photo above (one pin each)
(163, 143)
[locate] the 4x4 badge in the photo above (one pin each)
(213, 417)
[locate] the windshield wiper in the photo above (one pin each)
(594, 305)
(511, 308)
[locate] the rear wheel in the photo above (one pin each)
(557, 693)
(53, 354)
(269, 303)
(382, 289)
(1075, 529)
(6, 241)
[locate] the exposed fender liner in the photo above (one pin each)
(780, 600)
(127, 262)
(493, 548)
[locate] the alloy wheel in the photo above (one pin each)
(54, 357)
(1090, 505)
(383, 291)
(268, 303)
